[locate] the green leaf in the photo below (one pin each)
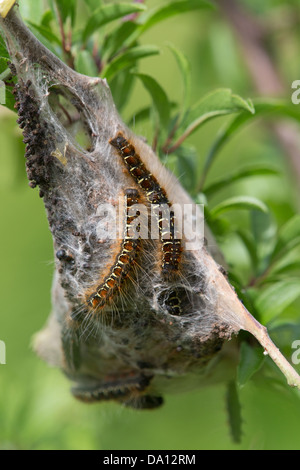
(114, 42)
(251, 359)
(274, 299)
(107, 13)
(288, 237)
(186, 164)
(47, 18)
(67, 9)
(288, 262)
(85, 64)
(3, 50)
(250, 245)
(4, 69)
(163, 12)
(243, 294)
(288, 268)
(263, 228)
(139, 116)
(93, 4)
(7, 99)
(121, 87)
(217, 103)
(250, 171)
(284, 334)
(169, 9)
(159, 98)
(45, 32)
(237, 203)
(32, 11)
(185, 70)
(128, 59)
(262, 108)
(234, 412)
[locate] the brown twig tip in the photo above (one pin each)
(261, 334)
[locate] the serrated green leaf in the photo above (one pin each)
(159, 98)
(128, 59)
(234, 412)
(107, 13)
(274, 299)
(250, 171)
(237, 203)
(85, 64)
(251, 359)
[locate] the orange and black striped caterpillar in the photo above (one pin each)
(157, 197)
(130, 245)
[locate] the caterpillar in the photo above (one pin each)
(157, 197)
(173, 303)
(125, 387)
(130, 245)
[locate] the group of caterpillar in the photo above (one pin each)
(119, 271)
(157, 197)
(171, 246)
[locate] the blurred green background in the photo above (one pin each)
(36, 409)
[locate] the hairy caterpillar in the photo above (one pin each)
(157, 197)
(111, 284)
(173, 303)
(114, 389)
